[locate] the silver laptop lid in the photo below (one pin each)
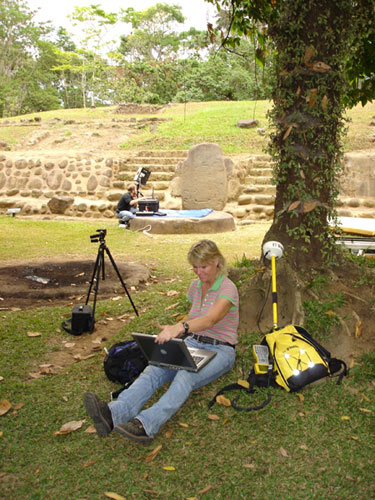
(173, 354)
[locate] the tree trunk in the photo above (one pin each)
(311, 40)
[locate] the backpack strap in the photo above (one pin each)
(250, 390)
(335, 365)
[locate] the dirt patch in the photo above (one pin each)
(58, 283)
(40, 284)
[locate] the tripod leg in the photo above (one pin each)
(120, 278)
(98, 258)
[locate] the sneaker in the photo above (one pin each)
(99, 412)
(133, 430)
(125, 225)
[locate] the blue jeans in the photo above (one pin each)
(126, 215)
(131, 401)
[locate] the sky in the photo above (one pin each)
(197, 12)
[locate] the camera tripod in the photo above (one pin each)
(99, 270)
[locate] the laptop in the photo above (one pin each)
(174, 354)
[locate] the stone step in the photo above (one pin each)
(258, 189)
(133, 167)
(260, 171)
(257, 179)
(156, 176)
(258, 199)
(160, 154)
(150, 161)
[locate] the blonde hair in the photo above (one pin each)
(205, 251)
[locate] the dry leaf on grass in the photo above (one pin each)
(171, 293)
(153, 454)
(243, 383)
(249, 466)
(213, 417)
(5, 406)
(91, 429)
(69, 427)
(205, 490)
(364, 410)
(169, 433)
(283, 452)
(222, 400)
(114, 496)
(181, 424)
(34, 334)
(172, 306)
(345, 418)
(169, 468)
(301, 397)
(89, 463)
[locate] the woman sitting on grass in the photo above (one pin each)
(212, 324)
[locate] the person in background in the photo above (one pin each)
(127, 206)
(212, 324)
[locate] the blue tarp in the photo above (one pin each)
(184, 214)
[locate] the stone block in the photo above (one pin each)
(59, 204)
(204, 178)
(247, 123)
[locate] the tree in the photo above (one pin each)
(21, 47)
(322, 48)
(314, 42)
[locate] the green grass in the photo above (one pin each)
(195, 123)
(319, 446)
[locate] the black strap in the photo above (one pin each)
(115, 394)
(65, 325)
(250, 390)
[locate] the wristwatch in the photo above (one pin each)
(186, 326)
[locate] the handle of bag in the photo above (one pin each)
(66, 325)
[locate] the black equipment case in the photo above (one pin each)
(148, 205)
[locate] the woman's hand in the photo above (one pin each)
(169, 332)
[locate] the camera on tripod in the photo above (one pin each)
(99, 236)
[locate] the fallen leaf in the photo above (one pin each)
(225, 420)
(5, 406)
(181, 424)
(249, 466)
(330, 313)
(356, 438)
(243, 383)
(205, 490)
(116, 298)
(309, 51)
(18, 406)
(69, 427)
(303, 447)
(364, 410)
(352, 361)
(213, 417)
(1, 378)
(345, 418)
(283, 452)
(114, 496)
(365, 397)
(1, 434)
(324, 102)
(169, 433)
(89, 463)
(222, 400)
(34, 334)
(301, 397)
(90, 430)
(358, 329)
(69, 344)
(169, 468)
(171, 306)
(153, 454)
(171, 293)
(34, 375)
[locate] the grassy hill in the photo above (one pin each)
(192, 123)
